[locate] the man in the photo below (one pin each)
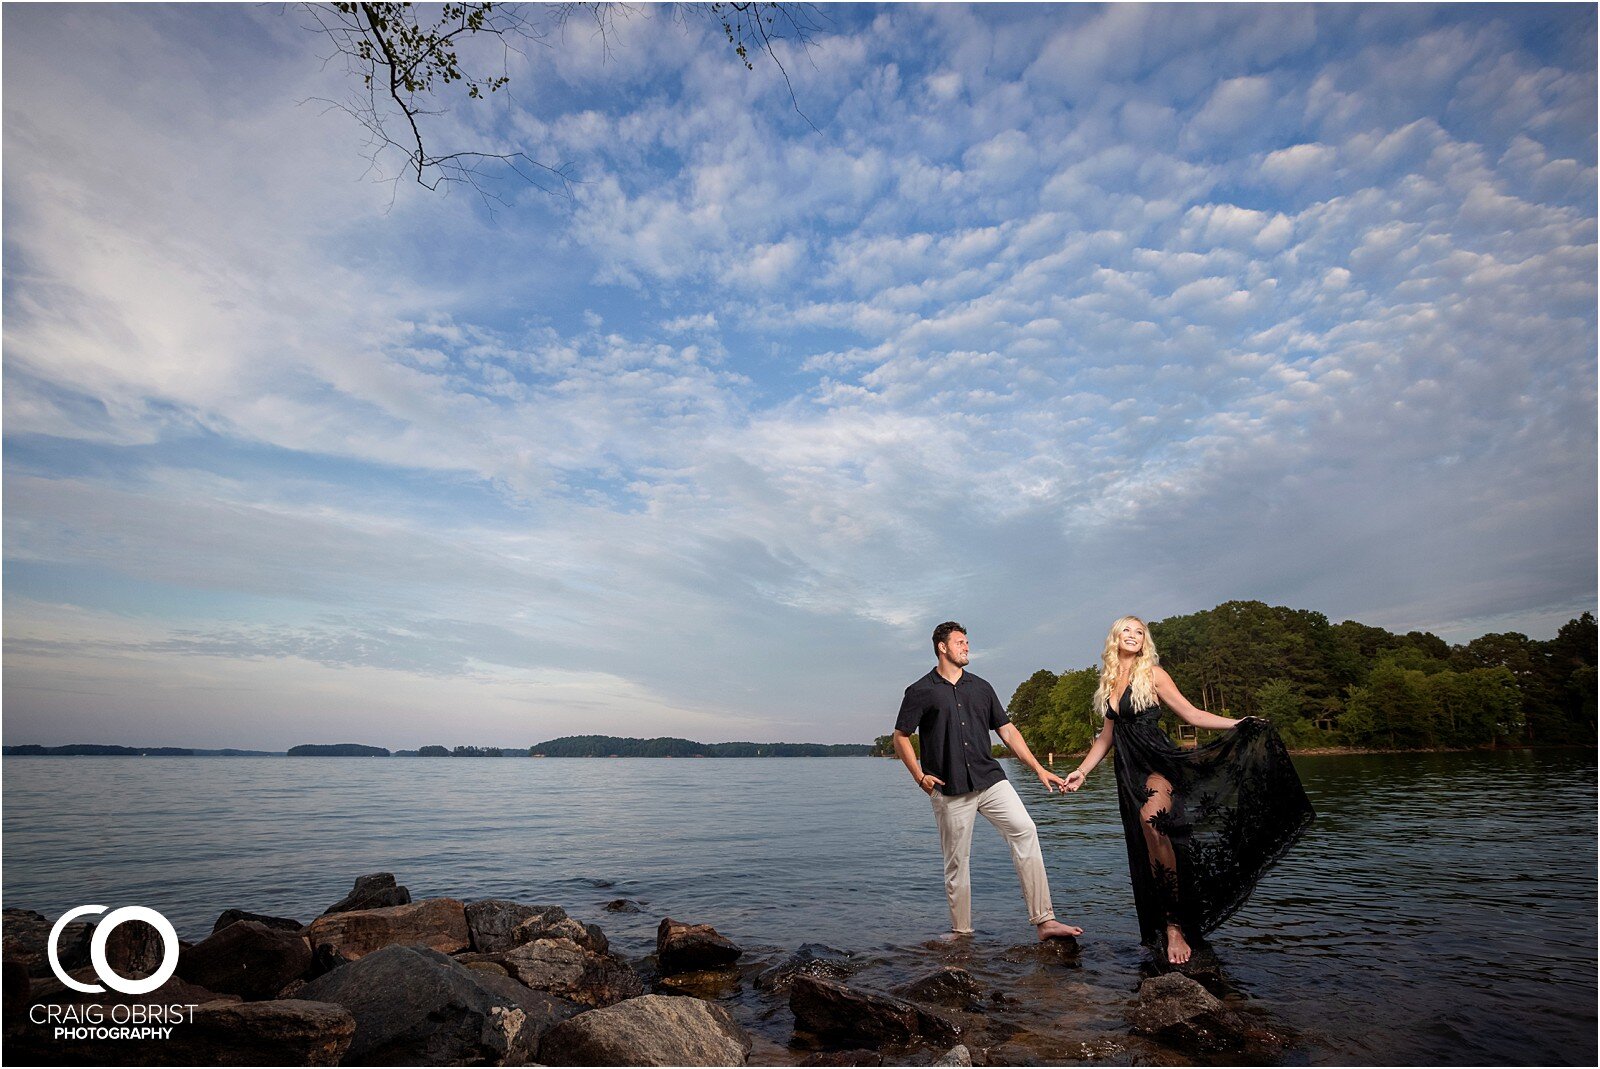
(953, 710)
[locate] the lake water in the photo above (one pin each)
(1442, 909)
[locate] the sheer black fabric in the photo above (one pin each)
(1202, 825)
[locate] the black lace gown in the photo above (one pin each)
(1234, 807)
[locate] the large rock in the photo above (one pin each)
(690, 947)
(555, 924)
(232, 916)
(812, 959)
(956, 1055)
(835, 1012)
(1180, 1011)
(415, 1006)
(542, 1009)
(492, 922)
(25, 936)
(288, 1032)
(437, 923)
(135, 950)
(947, 986)
(373, 891)
(648, 1030)
(567, 970)
(247, 959)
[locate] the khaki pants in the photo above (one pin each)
(1005, 811)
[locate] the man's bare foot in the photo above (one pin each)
(1177, 945)
(1057, 930)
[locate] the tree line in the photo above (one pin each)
(1346, 684)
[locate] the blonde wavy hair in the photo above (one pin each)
(1144, 682)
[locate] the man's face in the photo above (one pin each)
(956, 650)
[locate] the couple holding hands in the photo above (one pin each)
(1202, 825)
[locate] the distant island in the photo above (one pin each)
(337, 749)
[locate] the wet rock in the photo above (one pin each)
(1065, 951)
(835, 1012)
(415, 1006)
(1181, 1012)
(563, 968)
(437, 923)
(948, 986)
(956, 1055)
(711, 984)
(623, 905)
(812, 959)
(325, 957)
(491, 922)
(541, 1009)
(373, 891)
(688, 947)
(246, 959)
(25, 937)
(230, 916)
(555, 924)
(649, 1030)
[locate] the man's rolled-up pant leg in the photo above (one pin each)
(955, 816)
(1004, 809)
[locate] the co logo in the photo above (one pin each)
(97, 950)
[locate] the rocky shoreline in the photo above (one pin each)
(379, 979)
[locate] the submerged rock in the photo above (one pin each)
(1180, 1011)
(623, 905)
(415, 1006)
(689, 947)
(437, 923)
(649, 1030)
(948, 986)
(835, 1012)
(812, 959)
(373, 891)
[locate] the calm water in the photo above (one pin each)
(1442, 910)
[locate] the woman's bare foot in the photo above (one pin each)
(1177, 946)
(1057, 930)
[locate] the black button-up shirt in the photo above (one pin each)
(954, 721)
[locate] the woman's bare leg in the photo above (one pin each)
(1163, 861)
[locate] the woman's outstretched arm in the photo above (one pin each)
(1173, 698)
(1097, 751)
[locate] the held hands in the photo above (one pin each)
(928, 781)
(1074, 779)
(1051, 781)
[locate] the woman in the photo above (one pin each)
(1202, 825)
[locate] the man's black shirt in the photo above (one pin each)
(954, 722)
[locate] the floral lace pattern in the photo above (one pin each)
(1202, 825)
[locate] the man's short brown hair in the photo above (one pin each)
(943, 632)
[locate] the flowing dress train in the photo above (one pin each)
(1202, 825)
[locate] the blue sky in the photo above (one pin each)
(1056, 314)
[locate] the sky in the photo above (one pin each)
(1026, 317)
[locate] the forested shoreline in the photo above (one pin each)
(1328, 685)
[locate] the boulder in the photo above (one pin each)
(542, 1009)
(415, 1006)
(25, 937)
(229, 916)
(688, 947)
(246, 959)
(134, 950)
(373, 891)
(714, 985)
(492, 922)
(437, 923)
(956, 1055)
(812, 959)
(551, 926)
(947, 986)
(648, 1030)
(837, 1013)
(1180, 1011)
(563, 968)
